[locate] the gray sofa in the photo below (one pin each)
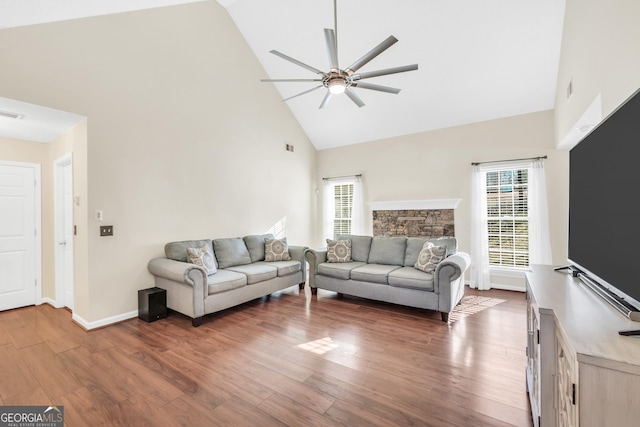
(382, 268)
(240, 274)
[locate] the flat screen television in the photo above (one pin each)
(604, 208)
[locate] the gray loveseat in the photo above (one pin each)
(382, 268)
(241, 274)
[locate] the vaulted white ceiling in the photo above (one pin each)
(478, 60)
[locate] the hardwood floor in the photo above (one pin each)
(292, 360)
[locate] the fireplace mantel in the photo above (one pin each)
(414, 204)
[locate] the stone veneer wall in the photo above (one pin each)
(414, 223)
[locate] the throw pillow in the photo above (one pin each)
(202, 258)
(338, 250)
(430, 256)
(276, 249)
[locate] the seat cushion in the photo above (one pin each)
(256, 272)
(409, 277)
(338, 270)
(225, 280)
(285, 268)
(388, 250)
(375, 273)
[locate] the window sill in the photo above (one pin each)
(508, 272)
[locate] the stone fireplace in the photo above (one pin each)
(414, 218)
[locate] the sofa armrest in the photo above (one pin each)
(449, 280)
(314, 258)
(297, 253)
(185, 283)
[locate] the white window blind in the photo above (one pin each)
(508, 217)
(343, 209)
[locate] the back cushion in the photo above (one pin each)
(360, 246)
(414, 246)
(178, 250)
(230, 252)
(388, 250)
(255, 245)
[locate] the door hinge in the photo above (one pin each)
(573, 393)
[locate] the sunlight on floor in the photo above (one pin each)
(472, 304)
(321, 346)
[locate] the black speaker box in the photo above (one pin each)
(152, 304)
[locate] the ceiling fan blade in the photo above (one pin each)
(325, 100)
(379, 88)
(384, 72)
(332, 48)
(290, 80)
(303, 93)
(355, 98)
(295, 61)
(386, 44)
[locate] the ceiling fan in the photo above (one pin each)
(337, 80)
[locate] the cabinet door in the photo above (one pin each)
(566, 385)
(533, 359)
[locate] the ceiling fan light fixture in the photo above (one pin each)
(337, 86)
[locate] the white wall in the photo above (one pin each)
(600, 55)
(183, 140)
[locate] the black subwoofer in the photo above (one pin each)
(152, 304)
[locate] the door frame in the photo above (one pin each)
(58, 200)
(38, 221)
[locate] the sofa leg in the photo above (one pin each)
(314, 291)
(196, 322)
(445, 317)
(301, 285)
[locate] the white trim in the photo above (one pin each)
(38, 221)
(103, 322)
(509, 287)
(414, 204)
(507, 272)
(58, 166)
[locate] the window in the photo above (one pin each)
(343, 206)
(343, 209)
(508, 217)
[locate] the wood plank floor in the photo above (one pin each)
(292, 360)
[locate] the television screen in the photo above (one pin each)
(604, 210)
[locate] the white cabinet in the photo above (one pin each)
(580, 371)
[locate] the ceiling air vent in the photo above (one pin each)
(11, 115)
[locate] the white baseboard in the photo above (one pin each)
(103, 322)
(49, 301)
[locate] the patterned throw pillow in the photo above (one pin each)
(338, 250)
(430, 256)
(202, 258)
(276, 249)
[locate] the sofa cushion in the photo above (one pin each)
(360, 246)
(276, 249)
(230, 252)
(285, 268)
(177, 251)
(414, 246)
(255, 245)
(338, 250)
(375, 273)
(430, 256)
(338, 270)
(225, 280)
(409, 277)
(202, 257)
(257, 272)
(388, 250)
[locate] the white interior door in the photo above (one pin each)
(17, 235)
(64, 232)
